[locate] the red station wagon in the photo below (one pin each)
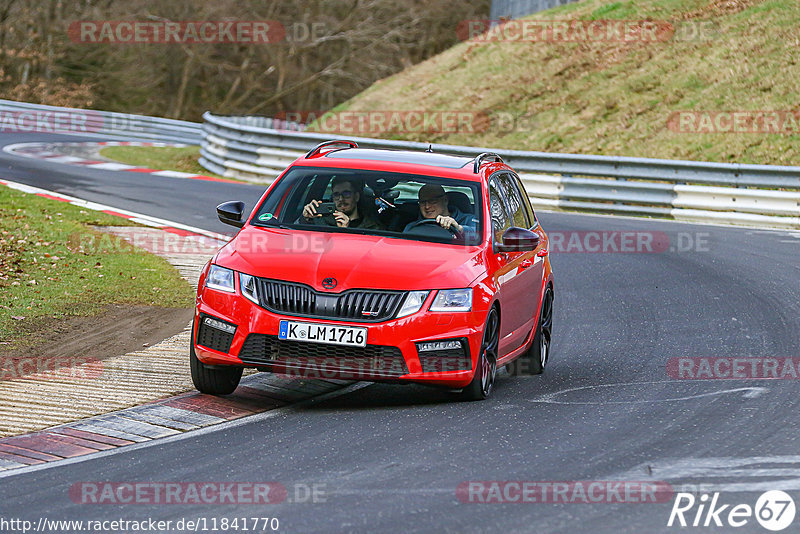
(379, 265)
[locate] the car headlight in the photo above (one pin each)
(452, 300)
(247, 285)
(413, 302)
(220, 278)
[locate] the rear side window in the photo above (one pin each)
(526, 202)
(516, 204)
(500, 220)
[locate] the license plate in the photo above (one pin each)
(323, 333)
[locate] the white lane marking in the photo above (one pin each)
(139, 217)
(550, 398)
(697, 470)
(110, 166)
(65, 159)
(175, 174)
(188, 435)
(12, 149)
(33, 150)
(146, 222)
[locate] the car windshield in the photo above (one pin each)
(404, 206)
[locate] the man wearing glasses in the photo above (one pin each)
(349, 214)
(433, 205)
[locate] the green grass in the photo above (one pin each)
(615, 98)
(54, 263)
(183, 159)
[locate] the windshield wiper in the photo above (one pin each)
(271, 225)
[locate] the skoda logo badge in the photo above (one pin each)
(329, 283)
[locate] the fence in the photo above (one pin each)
(757, 195)
(258, 149)
(519, 8)
(28, 118)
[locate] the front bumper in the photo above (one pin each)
(391, 353)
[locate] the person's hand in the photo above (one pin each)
(448, 222)
(342, 220)
(310, 209)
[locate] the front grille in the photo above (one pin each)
(363, 305)
(213, 338)
(321, 360)
(441, 361)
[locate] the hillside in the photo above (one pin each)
(621, 98)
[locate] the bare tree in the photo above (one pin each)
(332, 50)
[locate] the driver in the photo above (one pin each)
(433, 205)
(346, 195)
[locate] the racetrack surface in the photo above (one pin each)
(391, 457)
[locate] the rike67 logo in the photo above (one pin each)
(774, 510)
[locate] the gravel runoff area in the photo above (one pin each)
(75, 387)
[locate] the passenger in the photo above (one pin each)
(349, 212)
(433, 205)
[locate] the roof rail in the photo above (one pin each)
(316, 150)
(486, 155)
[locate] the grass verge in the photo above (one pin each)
(613, 97)
(54, 264)
(183, 159)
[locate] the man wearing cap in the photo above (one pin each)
(433, 205)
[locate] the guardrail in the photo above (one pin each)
(259, 149)
(23, 117)
(756, 195)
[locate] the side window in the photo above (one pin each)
(516, 205)
(526, 202)
(500, 220)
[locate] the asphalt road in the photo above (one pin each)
(390, 458)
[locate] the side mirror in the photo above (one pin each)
(518, 240)
(231, 213)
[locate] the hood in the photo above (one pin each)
(354, 260)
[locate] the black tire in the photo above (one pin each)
(211, 380)
(486, 368)
(537, 356)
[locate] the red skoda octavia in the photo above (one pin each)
(379, 265)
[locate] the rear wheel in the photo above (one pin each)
(211, 380)
(486, 368)
(534, 360)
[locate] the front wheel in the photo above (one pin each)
(486, 369)
(210, 380)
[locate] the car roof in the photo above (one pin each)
(432, 159)
(399, 160)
